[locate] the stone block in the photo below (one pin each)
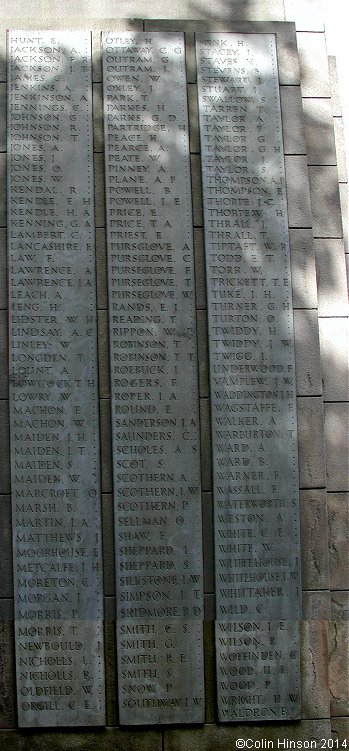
(316, 606)
(307, 351)
(110, 609)
(6, 610)
(11, 740)
(3, 191)
(204, 388)
(196, 190)
(210, 671)
(4, 448)
(314, 670)
(336, 444)
(3, 51)
(110, 679)
(339, 137)
(107, 739)
(3, 270)
(333, 78)
(292, 120)
(338, 674)
(313, 64)
(190, 56)
(206, 451)
(193, 113)
(325, 202)
(98, 132)
(4, 370)
(103, 354)
(106, 447)
(305, 13)
(6, 575)
(338, 533)
(207, 531)
(340, 731)
(108, 545)
(99, 190)
(200, 276)
(298, 196)
(340, 606)
(343, 197)
(209, 607)
(319, 133)
(303, 268)
(96, 57)
(334, 345)
(101, 269)
(7, 673)
(3, 118)
(311, 442)
(314, 539)
(223, 737)
(331, 277)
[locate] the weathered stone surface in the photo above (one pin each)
(223, 737)
(333, 78)
(54, 397)
(314, 537)
(103, 355)
(339, 136)
(303, 273)
(340, 606)
(316, 606)
(311, 442)
(207, 518)
(101, 269)
(98, 162)
(108, 545)
(340, 730)
(196, 190)
(3, 269)
(3, 118)
(338, 675)
(313, 64)
(210, 671)
(336, 441)
(2, 190)
(106, 447)
(338, 532)
(7, 673)
(334, 345)
(6, 575)
(314, 670)
(298, 196)
(292, 120)
(4, 447)
(200, 278)
(155, 420)
(206, 448)
(3, 355)
(108, 739)
(110, 662)
(331, 277)
(307, 351)
(201, 322)
(98, 134)
(325, 202)
(319, 132)
(194, 138)
(343, 197)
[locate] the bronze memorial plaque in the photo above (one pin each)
(53, 372)
(252, 373)
(155, 416)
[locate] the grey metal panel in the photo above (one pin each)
(252, 371)
(154, 379)
(53, 374)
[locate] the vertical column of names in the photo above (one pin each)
(252, 378)
(53, 371)
(155, 419)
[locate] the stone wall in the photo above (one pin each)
(316, 194)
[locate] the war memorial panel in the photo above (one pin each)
(252, 375)
(154, 380)
(53, 373)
